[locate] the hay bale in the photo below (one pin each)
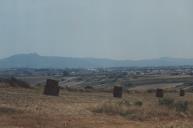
(159, 93)
(182, 92)
(52, 88)
(117, 91)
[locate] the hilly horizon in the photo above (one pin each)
(34, 60)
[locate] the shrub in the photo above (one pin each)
(138, 103)
(169, 102)
(111, 108)
(9, 110)
(150, 90)
(181, 106)
(123, 108)
(14, 82)
(125, 102)
(88, 87)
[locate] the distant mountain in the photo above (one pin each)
(36, 61)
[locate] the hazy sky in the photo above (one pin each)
(119, 29)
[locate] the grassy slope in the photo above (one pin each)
(28, 108)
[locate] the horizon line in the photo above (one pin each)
(35, 53)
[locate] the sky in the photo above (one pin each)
(116, 29)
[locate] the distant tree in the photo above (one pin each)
(88, 87)
(66, 73)
(18, 83)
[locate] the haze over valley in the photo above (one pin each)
(96, 63)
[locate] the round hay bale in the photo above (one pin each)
(182, 92)
(118, 91)
(159, 93)
(52, 88)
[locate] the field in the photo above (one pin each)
(28, 108)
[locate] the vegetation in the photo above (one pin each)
(166, 101)
(86, 99)
(14, 82)
(138, 103)
(20, 107)
(181, 106)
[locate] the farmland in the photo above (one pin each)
(86, 99)
(29, 108)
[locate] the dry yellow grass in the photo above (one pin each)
(28, 108)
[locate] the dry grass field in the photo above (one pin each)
(28, 108)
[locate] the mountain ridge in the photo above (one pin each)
(34, 60)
